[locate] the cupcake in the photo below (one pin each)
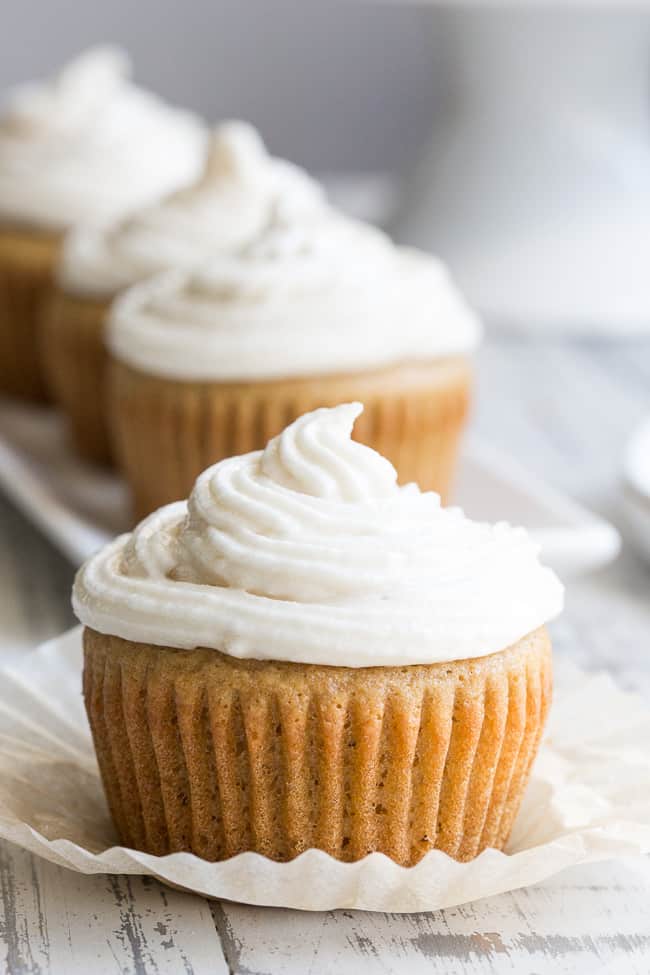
(85, 148)
(308, 655)
(228, 206)
(312, 312)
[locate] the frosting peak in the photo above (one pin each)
(237, 161)
(88, 147)
(310, 551)
(236, 151)
(316, 456)
(261, 522)
(81, 87)
(233, 200)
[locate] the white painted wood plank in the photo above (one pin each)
(591, 920)
(55, 921)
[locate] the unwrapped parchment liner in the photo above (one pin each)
(588, 800)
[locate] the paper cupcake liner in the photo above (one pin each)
(74, 360)
(27, 262)
(165, 432)
(216, 756)
(588, 799)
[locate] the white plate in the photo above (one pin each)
(80, 507)
(636, 487)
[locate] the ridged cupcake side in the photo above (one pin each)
(204, 752)
(75, 364)
(27, 261)
(166, 432)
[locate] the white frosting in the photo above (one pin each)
(226, 208)
(88, 147)
(309, 551)
(307, 296)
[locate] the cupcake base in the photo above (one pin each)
(75, 362)
(166, 432)
(202, 752)
(27, 262)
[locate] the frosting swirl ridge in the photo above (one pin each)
(229, 205)
(309, 551)
(88, 147)
(308, 295)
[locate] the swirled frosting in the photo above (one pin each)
(309, 551)
(88, 147)
(306, 296)
(227, 207)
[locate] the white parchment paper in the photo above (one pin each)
(589, 799)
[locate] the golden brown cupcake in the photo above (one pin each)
(314, 311)
(84, 148)
(27, 258)
(229, 205)
(307, 655)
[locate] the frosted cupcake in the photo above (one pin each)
(307, 655)
(85, 148)
(227, 207)
(311, 313)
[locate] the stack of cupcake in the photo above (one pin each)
(182, 295)
(307, 653)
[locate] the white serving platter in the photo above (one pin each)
(636, 487)
(79, 507)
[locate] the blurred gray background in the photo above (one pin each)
(333, 85)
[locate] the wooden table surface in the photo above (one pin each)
(564, 408)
